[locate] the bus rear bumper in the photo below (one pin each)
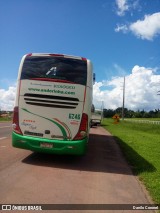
(49, 146)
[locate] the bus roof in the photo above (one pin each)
(56, 55)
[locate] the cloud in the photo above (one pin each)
(122, 6)
(147, 28)
(7, 98)
(140, 93)
(142, 85)
(122, 27)
(120, 70)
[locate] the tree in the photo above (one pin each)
(119, 111)
(108, 113)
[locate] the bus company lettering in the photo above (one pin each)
(64, 86)
(52, 91)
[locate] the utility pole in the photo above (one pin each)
(102, 107)
(123, 99)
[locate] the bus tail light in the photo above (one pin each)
(15, 124)
(83, 129)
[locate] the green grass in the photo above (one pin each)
(140, 143)
(148, 119)
(5, 119)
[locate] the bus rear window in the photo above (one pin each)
(58, 68)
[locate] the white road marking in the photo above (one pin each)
(4, 127)
(3, 138)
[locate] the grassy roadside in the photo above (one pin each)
(145, 119)
(5, 119)
(140, 144)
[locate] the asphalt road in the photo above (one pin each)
(5, 130)
(100, 177)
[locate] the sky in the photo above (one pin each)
(120, 37)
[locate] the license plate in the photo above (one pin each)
(46, 145)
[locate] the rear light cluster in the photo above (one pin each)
(15, 124)
(83, 129)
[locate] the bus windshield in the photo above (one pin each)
(49, 68)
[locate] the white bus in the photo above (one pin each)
(53, 104)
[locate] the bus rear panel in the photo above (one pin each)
(53, 104)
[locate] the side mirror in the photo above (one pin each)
(92, 108)
(94, 78)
